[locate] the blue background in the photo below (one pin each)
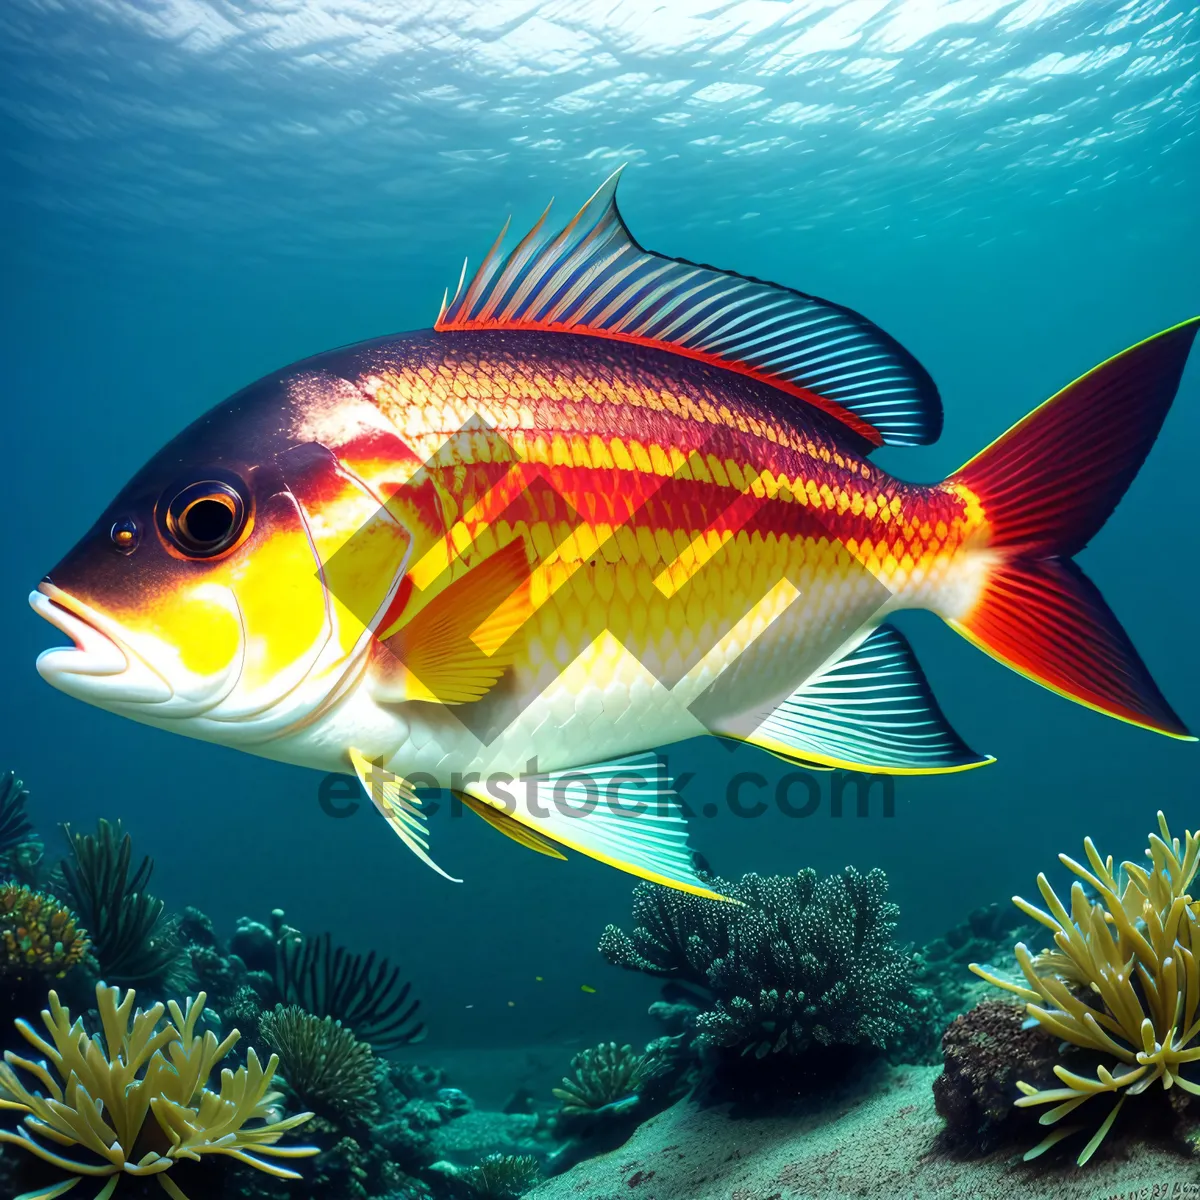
(196, 193)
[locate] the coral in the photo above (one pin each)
(799, 962)
(1123, 981)
(501, 1176)
(607, 1077)
(945, 989)
(110, 1086)
(365, 994)
(255, 944)
(986, 1051)
(16, 829)
(325, 1065)
(131, 940)
(21, 850)
(38, 935)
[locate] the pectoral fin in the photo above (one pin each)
(456, 648)
(400, 806)
(872, 710)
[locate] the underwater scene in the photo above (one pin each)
(597, 599)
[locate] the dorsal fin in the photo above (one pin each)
(593, 278)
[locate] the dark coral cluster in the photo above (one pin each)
(986, 1051)
(799, 962)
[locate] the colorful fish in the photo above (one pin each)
(610, 501)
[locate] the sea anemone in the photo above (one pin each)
(108, 1087)
(501, 1176)
(131, 940)
(324, 1064)
(1124, 980)
(363, 993)
(607, 1079)
(39, 936)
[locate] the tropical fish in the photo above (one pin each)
(610, 501)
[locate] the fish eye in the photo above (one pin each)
(125, 536)
(205, 518)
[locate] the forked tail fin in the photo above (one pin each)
(1045, 488)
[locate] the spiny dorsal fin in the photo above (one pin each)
(593, 278)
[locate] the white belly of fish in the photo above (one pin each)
(606, 703)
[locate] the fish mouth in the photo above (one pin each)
(99, 666)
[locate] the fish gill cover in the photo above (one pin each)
(196, 192)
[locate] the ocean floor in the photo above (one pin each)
(879, 1139)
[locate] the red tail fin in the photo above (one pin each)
(1046, 487)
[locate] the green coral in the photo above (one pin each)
(606, 1077)
(501, 1176)
(131, 939)
(325, 1065)
(798, 963)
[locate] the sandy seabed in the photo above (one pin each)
(879, 1140)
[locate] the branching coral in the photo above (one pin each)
(141, 1068)
(38, 935)
(798, 962)
(607, 1077)
(325, 1065)
(132, 941)
(364, 994)
(1124, 980)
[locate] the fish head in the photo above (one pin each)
(236, 578)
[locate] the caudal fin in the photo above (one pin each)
(1045, 488)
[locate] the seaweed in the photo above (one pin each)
(131, 940)
(16, 829)
(364, 993)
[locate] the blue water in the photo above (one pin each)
(194, 193)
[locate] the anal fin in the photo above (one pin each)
(623, 813)
(400, 806)
(872, 710)
(500, 820)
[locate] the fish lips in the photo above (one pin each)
(97, 667)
